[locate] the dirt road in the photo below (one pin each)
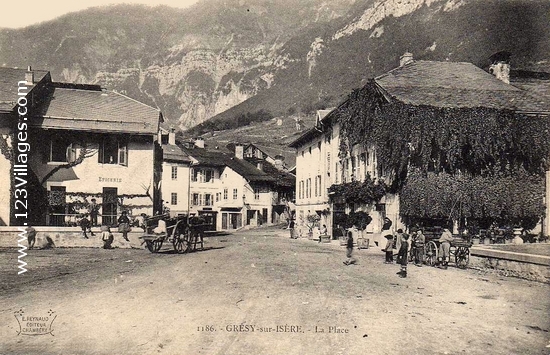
(259, 292)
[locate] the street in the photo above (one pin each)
(260, 292)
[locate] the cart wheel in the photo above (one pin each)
(181, 243)
(431, 253)
(154, 245)
(462, 257)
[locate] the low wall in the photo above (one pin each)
(69, 237)
(506, 263)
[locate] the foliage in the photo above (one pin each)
(84, 152)
(505, 199)
(479, 141)
(359, 219)
(311, 221)
(366, 192)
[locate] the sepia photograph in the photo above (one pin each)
(275, 177)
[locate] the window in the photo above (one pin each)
(225, 194)
(310, 187)
(61, 151)
(336, 173)
(218, 194)
(256, 193)
(208, 175)
(113, 150)
(174, 172)
(174, 199)
(316, 186)
(202, 175)
(208, 200)
(234, 194)
(196, 199)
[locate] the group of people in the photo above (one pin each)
(107, 237)
(400, 242)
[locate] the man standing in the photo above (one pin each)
(349, 247)
(94, 211)
(419, 242)
(445, 248)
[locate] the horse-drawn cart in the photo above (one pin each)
(460, 250)
(184, 233)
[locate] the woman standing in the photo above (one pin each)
(124, 225)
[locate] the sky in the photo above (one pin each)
(17, 14)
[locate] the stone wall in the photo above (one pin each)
(69, 237)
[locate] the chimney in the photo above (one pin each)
(29, 76)
(260, 165)
(199, 142)
(406, 58)
(500, 66)
(172, 136)
(239, 151)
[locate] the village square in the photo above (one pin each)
(403, 209)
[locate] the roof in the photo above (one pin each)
(9, 78)
(249, 171)
(174, 153)
(206, 157)
(219, 158)
(94, 110)
(457, 85)
(282, 178)
(451, 84)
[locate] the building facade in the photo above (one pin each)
(434, 87)
(88, 143)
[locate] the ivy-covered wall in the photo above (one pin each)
(494, 160)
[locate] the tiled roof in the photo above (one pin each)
(88, 110)
(174, 153)
(206, 157)
(9, 77)
(249, 171)
(282, 178)
(452, 84)
(220, 158)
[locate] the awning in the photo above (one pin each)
(231, 209)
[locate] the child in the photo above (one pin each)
(107, 237)
(389, 249)
(403, 252)
(85, 225)
(349, 249)
(31, 236)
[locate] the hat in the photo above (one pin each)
(400, 230)
(388, 236)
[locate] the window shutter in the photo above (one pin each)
(123, 154)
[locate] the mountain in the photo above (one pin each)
(369, 40)
(231, 62)
(191, 63)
